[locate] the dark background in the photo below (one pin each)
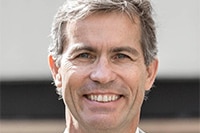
(170, 98)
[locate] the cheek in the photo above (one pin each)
(73, 80)
(134, 77)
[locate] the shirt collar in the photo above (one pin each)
(139, 131)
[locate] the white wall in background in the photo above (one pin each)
(25, 26)
(178, 37)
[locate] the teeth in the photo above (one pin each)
(103, 98)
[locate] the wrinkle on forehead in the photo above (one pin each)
(104, 28)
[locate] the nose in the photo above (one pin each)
(103, 72)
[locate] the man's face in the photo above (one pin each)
(102, 73)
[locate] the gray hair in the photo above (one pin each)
(73, 10)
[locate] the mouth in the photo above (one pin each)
(103, 98)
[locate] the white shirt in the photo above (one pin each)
(139, 131)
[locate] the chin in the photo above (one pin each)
(103, 122)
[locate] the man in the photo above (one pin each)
(103, 60)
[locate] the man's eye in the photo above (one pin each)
(84, 55)
(121, 56)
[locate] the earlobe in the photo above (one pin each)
(58, 81)
(55, 72)
(151, 74)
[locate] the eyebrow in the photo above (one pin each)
(130, 50)
(80, 47)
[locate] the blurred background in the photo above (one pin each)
(28, 101)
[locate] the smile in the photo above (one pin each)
(103, 98)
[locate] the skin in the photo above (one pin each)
(103, 57)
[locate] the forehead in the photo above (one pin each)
(105, 28)
(111, 19)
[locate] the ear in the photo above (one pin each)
(151, 74)
(55, 72)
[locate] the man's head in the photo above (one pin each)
(74, 10)
(103, 59)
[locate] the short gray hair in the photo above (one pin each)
(73, 10)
